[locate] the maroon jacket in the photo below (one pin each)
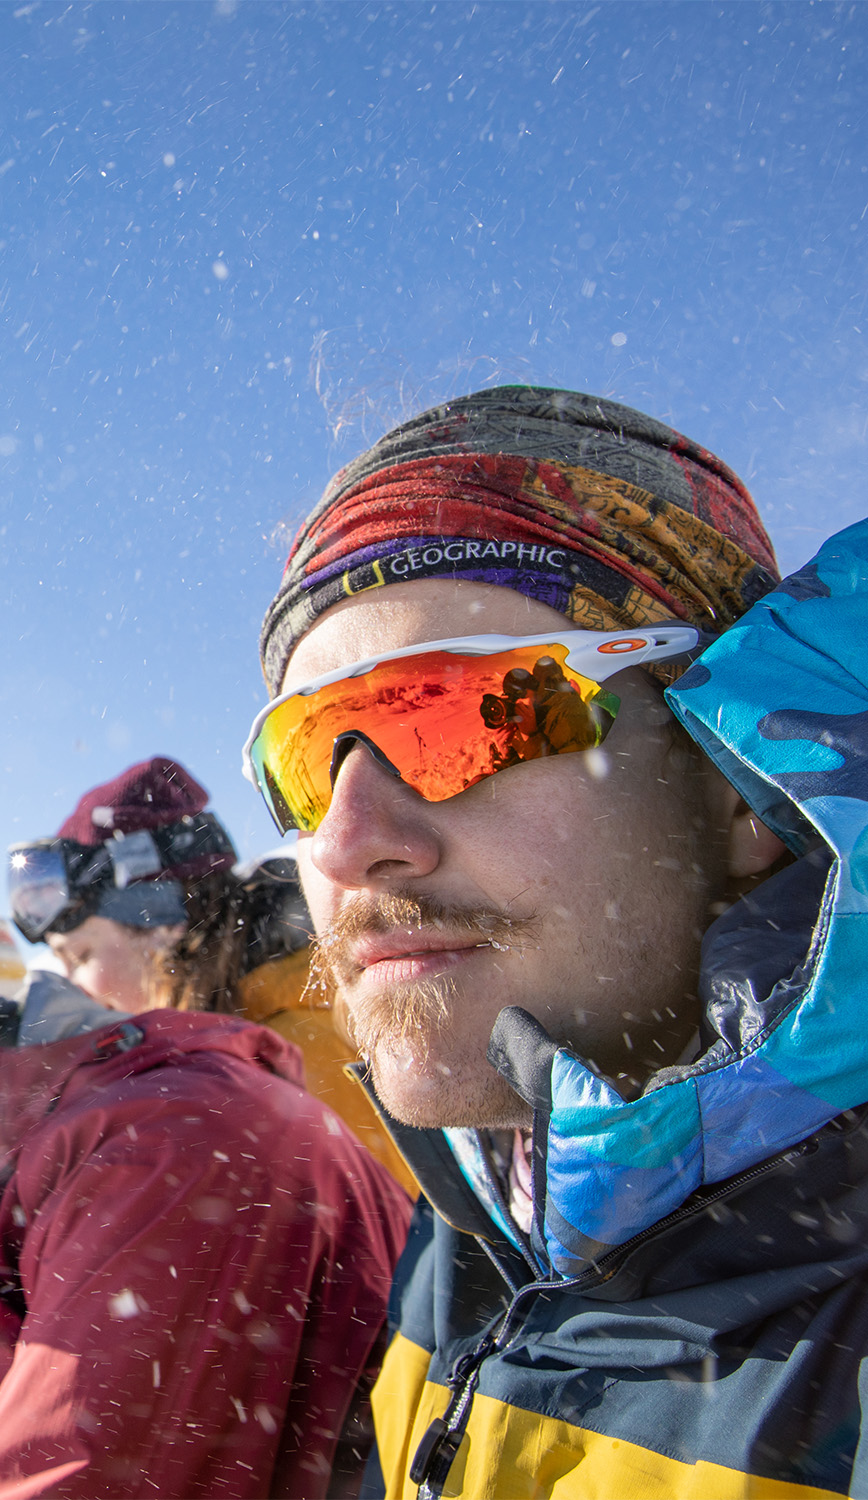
(195, 1257)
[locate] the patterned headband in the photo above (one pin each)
(604, 514)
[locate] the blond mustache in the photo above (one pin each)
(368, 915)
(404, 1016)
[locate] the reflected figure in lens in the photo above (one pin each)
(565, 722)
(539, 713)
(513, 714)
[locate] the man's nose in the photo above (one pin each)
(377, 829)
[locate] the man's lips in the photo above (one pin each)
(415, 949)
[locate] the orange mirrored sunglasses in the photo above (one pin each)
(446, 714)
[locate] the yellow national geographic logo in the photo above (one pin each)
(380, 582)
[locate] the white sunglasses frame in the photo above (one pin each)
(595, 654)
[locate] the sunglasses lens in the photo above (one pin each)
(38, 888)
(442, 721)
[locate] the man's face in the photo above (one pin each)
(575, 886)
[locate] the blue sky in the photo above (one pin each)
(239, 241)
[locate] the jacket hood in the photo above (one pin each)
(33, 1080)
(780, 704)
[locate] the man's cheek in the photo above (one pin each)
(315, 890)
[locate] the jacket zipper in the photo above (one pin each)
(436, 1452)
(434, 1456)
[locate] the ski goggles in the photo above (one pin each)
(445, 715)
(56, 884)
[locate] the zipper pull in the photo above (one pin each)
(437, 1445)
(435, 1454)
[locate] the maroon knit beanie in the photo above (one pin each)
(153, 794)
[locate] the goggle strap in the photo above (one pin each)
(180, 843)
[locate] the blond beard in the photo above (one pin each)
(402, 1019)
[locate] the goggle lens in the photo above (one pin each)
(38, 888)
(441, 721)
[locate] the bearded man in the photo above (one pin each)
(602, 971)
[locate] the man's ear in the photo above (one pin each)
(753, 848)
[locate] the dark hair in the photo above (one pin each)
(235, 922)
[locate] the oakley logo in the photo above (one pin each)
(620, 648)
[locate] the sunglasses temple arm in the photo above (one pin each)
(665, 652)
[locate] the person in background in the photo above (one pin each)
(12, 976)
(196, 1253)
(612, 994)
(141, 901)
(246, 951)
(12, 970)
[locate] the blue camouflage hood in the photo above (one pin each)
(780, 704)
